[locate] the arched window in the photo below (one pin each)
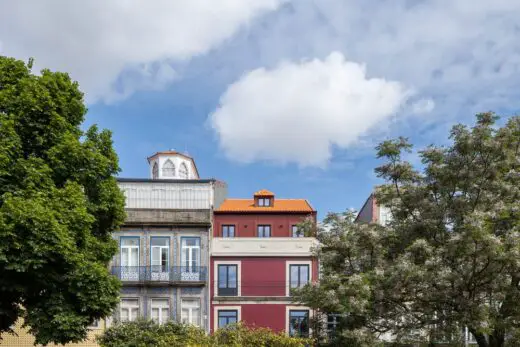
(168, 169)
(183, 171)
(155, 171)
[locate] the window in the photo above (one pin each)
(296, 232)
(155, 171)
(299, 275)
(129, 310)
(226, 317)
(129, 258)
(227, 280)
(183, 171)
(228, 231)
(190, 258)
(190, 311)
(160, 253)
(264, 202)
(332, 324)
(160, 310)
(299, 323)
(96, 324)
(168, 169)
(264, 231)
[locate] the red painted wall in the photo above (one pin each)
(262, 276)
(271, 316)
(246, 224)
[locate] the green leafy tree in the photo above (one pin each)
(449, 258)
(59, 203)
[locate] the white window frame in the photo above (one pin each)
(129, 308)
(190, 314)
(228, 226)
(121, 246)
(96, 324)
(288, 273)
(238, 263)
(155, 170)
(288, 310)
(182, 172)
(225, 308)
(264, 202)
(161, 319)
(263, 226)
(160, 249)
(186, 250)
(171, 170)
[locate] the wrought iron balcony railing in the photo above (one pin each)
(160, 273)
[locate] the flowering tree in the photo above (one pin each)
(450, 256)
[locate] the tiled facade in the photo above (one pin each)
(164, 244)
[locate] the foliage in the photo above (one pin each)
(59, 203)
(241, 335)
(449, 258)
(145, 333)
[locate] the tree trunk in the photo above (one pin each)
(496, 339)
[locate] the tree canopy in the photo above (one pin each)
(59, 203)
(450, 256)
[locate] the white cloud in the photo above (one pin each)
(97, 40)
(297, 112)
(464, 55)
(423, 106)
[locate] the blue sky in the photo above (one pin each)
(291, 96)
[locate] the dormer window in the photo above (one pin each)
(264, 198)
(264, 202)
(155, 171)
(183, 171)
(168, 169)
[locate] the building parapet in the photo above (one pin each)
(165, 216)
(263, 247)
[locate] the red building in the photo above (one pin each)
(257, 256)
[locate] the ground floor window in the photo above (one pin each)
(190, 311)
(160, 310)
(299, 323)
(332, 323)
(226, 317)
(129, 310)
(96, 324)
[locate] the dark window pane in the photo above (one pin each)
(227, 281)
(299, 323)
(226, 317)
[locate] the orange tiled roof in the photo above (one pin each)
(264, 192)
(279, 205)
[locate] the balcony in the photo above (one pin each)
(263, 247)
(174, 275)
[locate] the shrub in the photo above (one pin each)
(146, 333)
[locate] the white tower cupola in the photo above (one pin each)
(172, 165)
